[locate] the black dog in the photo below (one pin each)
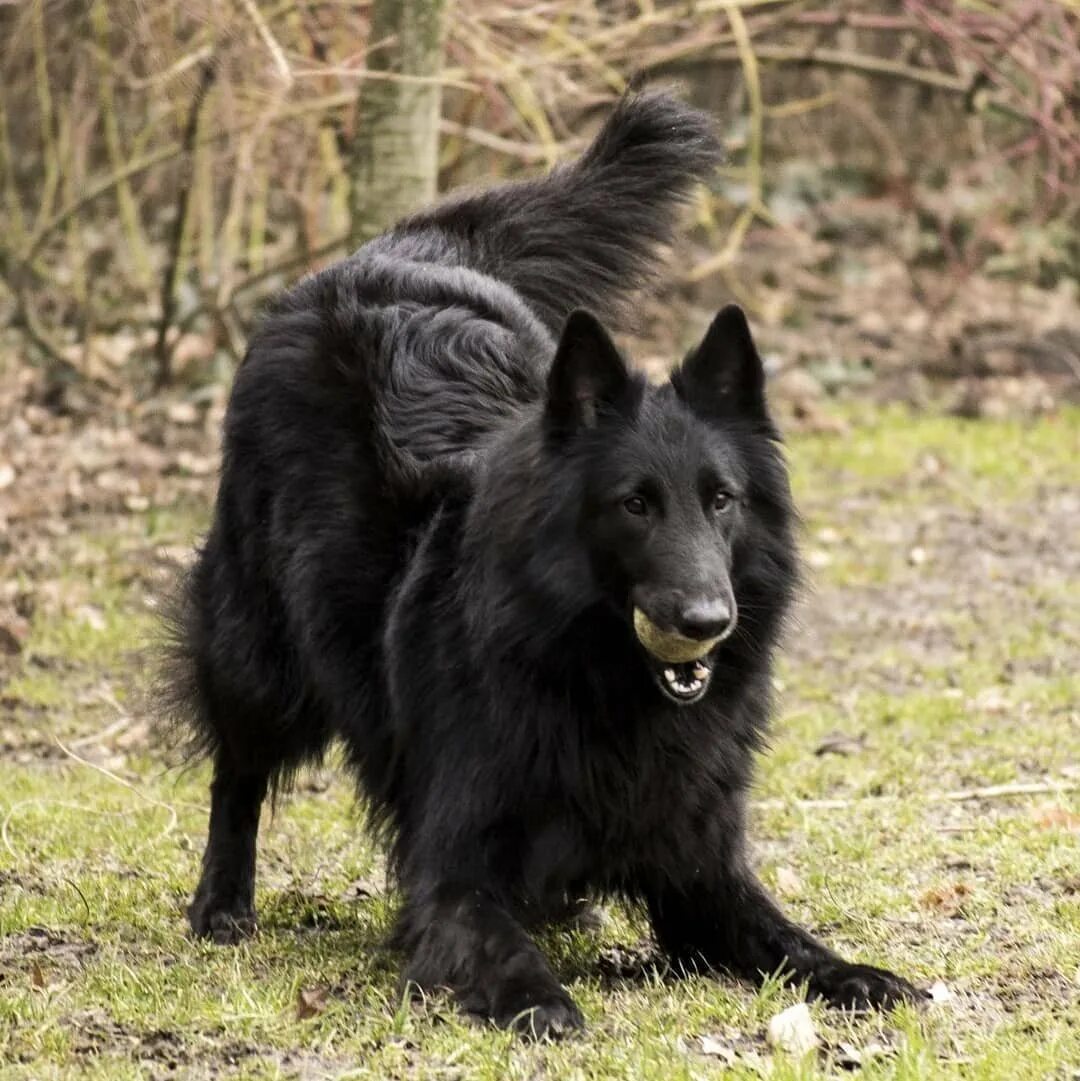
(535, 598)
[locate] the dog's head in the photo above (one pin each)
(684, 496)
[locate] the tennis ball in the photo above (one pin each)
(666, 645)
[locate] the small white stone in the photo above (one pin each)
(793, 1031)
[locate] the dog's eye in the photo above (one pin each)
(722, 501)
(635, 504)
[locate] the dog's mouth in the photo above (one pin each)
(683, 683)
(681, 666)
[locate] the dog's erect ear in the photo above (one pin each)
(724, 376)
(588, 377)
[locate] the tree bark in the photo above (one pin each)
(395, 150)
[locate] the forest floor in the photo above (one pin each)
(920, 806)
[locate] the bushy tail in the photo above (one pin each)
(181, 726)
(587, 234)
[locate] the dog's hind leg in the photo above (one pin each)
(223, 908)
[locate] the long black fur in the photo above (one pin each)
(443, 493)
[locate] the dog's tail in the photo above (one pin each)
(587, 235)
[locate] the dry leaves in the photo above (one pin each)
(948, 900)
(730, 1049)
(851, 1057)
(841, 743)
(310, 1002)
(13, 633)
(1053, 817)
(713, 1048)
(788, 883)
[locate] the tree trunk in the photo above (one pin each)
(395, 151)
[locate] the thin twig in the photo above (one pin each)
(269, 41)
(167, 153)
(528, 152)
(961, 795)
(185, 63)
(117, 779)
(26, 315)
(163, 372)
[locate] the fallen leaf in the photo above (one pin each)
(793, 1031)
(310, 1002)
(1050, 817)
(841, 743)
(7, 475)
(788, 883)
(946, 900)
(848, 1056)
(13, 632)
(37, 976)
(708, 1045)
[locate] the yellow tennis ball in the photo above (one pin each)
(666, 645)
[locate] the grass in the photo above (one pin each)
(950, 669)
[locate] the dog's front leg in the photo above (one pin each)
(462, 939)
(727, 921)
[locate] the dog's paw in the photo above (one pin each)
(862, 987)
(550, 1019)
(547, 1014)
(222, 923)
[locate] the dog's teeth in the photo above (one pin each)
(700, 671)
(669, 675)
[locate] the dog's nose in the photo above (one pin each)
(701, 619)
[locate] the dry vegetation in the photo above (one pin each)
(163, 166)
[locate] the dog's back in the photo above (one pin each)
(367, 391)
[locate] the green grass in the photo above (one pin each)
(955, 671)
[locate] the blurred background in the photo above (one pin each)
(898, 213)
(899, 207)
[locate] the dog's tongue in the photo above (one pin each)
(668, 646)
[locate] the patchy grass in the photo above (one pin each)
(937, 650)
